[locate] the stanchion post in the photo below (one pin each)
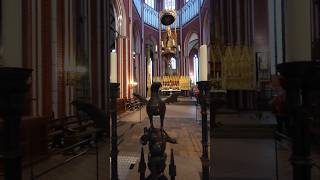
(97, 158)
(204, 87)
(212, 126)
(140, 111)
(142, 165)
(172, 167)
(114, 94)
(217, 100)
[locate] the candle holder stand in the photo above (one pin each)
(114, 94)
(217, 100)
(204, 87)
(303, 100)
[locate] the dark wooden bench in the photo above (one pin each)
(133, 104)
(70, 130)
(121, 106)
(34, 141)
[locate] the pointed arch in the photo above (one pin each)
(206, 28)
(191, 41)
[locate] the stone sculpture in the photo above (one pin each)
(155, 106)
(156, 138)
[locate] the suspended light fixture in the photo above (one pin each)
(169, 41)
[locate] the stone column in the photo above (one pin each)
(301, 87)
(298, 30)
(12, 32)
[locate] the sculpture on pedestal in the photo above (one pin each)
(156, 138)
(155, 106)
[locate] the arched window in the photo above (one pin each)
(150, 3)
(195, 69)
(173, 63)
(169, 4)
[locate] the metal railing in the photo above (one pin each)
(189, 11)
(137, 4)
(278, 137)
(38, 175)
(34, 162)
(151, 16)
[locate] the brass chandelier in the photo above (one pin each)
(169, 39)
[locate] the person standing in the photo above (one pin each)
(279, 106)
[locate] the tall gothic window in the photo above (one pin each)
(169, 4)
(173, 63)
(150, 3)
(195, 69)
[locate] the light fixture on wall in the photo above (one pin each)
(133, 84)
(74, 73)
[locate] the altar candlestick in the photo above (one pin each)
(203, 63)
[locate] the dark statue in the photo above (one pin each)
(155, 106)
(98, 116)
(156, 138)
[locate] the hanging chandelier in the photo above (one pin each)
(169, 39)
(167, 16)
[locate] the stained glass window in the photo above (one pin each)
(150, 3)
(195, 68)
(169, 4)
(173, 63)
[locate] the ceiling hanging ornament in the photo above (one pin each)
(167, 16)
(169, 38)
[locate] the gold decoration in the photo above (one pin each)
(238, 68)
(167, 16)
(169, 42)
(173, 82)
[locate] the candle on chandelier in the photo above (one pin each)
(113, 67)
(203, 63)
(162, 44)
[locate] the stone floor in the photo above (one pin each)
(234, 158)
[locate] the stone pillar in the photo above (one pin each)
(298, 30)
(300, 87)
(13, 89)
(12, 32)
(275, 33)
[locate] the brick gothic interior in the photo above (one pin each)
(241, 78)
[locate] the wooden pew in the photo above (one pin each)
(34, 141)
(69, 130)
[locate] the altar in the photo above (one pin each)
(170, 92)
